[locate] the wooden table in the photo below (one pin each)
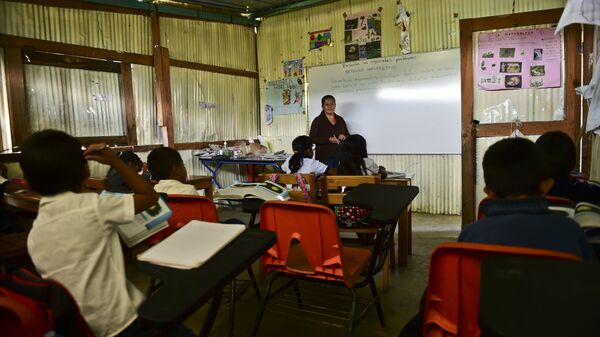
(23, 199)
(404, 227)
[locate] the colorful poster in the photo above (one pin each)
(516, 59)
(293, 68)
(319, 39)
(286, 96)
(362, 36)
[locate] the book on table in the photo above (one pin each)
(266, 190)
(192, 245)
(587, 215)
(144, 224)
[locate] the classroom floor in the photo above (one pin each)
(400, 303)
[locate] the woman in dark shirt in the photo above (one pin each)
(327, 131)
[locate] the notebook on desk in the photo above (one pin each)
(192, 245)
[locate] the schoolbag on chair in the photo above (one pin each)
(32, 306)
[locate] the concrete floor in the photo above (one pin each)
(400, 303)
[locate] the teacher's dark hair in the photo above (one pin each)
(326, 97)
(300, 145)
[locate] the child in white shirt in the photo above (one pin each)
(166, 167)
(74, 239)
(301, 161)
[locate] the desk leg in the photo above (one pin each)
(209, 320)
(213, 172)
(386, 274)
(403, 239)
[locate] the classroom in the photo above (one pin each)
(430, 85)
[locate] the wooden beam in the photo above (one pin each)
(572, 43)
(528, 128)
(516, 20)
(163, 94)
(588, 70)
(109, 140)
(129, 103)
(73, 50)
(17, 98)
(86, 5)
(214, 69)
(202, 145)
(67, 61)
(468, 134)
(155, 25)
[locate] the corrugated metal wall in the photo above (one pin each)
(234, 114)
(595, 169)
(82, 103)
(144, 95)
(107, 30)
(433, 26)
(219, 44)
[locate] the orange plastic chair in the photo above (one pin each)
(452, 297)
(308, 247)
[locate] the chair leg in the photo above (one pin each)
(377, 303)
(231, 310)
(209, 319)
(262, 306)
(298, 295)
(385, 279)
(392, 253)
(352, 321)
(254, 283)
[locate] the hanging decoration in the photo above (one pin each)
(403, 21)
(293, 68)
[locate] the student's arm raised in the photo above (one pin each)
(144, 195)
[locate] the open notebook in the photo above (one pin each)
(192, 245)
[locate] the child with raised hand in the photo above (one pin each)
(516, 179)
(74, 239)
(167, 168)
(302, 160)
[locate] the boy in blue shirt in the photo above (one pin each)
(516, 178)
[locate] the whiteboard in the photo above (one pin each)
(406, 104)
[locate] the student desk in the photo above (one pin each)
(214, 164)
(23, 199)
(184, 291)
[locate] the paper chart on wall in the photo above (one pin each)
(286, 96)
(515, 59)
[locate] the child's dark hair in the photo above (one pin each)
(161, 161)
(326, 97)
(300, 145)
(53, 162)
(351, 156)
(130, 157)
(559, 152)
(514, 167)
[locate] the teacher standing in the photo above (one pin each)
(327, 131)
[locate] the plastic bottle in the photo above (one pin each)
(225, 150)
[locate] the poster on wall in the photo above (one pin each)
(319, 39)
(293, 68)
(518, 59)
(286, 96)
(362, 35)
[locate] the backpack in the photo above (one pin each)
(42, 307)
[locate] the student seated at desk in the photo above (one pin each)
(302, 160)
(516, 179)
(116, 181)
(167, 168)
(74, 239)
(354, 160)
(560, 154)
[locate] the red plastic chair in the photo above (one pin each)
(308, 247)
(17, 318)
(452, 298)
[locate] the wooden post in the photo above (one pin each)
(129, 103)
(17, 99)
